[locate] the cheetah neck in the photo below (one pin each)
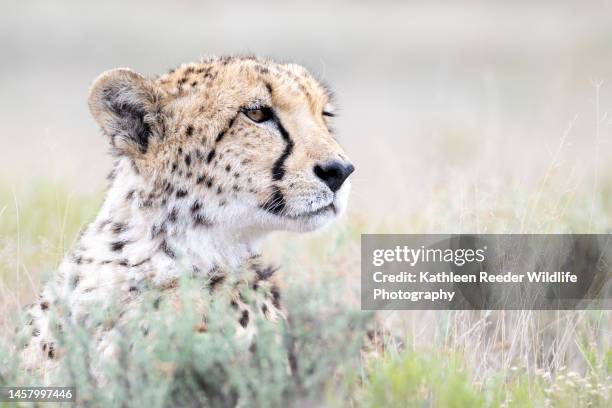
(140, 227)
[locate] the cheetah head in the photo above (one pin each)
(229, 141)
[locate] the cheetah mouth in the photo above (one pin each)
(320, 211)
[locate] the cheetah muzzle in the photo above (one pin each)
(210, 157)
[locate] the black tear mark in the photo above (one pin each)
(51, 353)
(276, 203)
(278, 170)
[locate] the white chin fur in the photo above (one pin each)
(315, 222)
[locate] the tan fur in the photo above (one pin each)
(197, 184)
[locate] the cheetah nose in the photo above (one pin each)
(334, 173)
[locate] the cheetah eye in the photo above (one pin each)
(258, 115)
(327, 113)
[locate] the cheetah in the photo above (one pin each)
(209, 159)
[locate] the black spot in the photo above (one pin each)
(244, 318)
(156, 303)
(157, 229)
(275, 296)
(210, 156)
(173, 215)
(265, 273)
(141, 262)
(77, 259)
(228, 168)
(201, 220)
(117, 245)
(219, 190)
(215, 280)
(130, 195)
(181, 193)
(36, 332)
(147, 203)
(123, 262)
(201, 179)
(112, 174)
(74, 281)
(174, 166)
(209, 183)
(44, 305)
(51, 353)
(268, 86)
(195, 207)
(188, 159)
(167, 250)
(194, 83)
(220, 136)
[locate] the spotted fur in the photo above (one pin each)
(196, 183)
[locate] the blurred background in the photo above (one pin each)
(460, 116)
(429, 91)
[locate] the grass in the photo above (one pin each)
(450, 359)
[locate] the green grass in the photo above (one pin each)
(452, 359)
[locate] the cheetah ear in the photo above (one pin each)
(127, 107)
